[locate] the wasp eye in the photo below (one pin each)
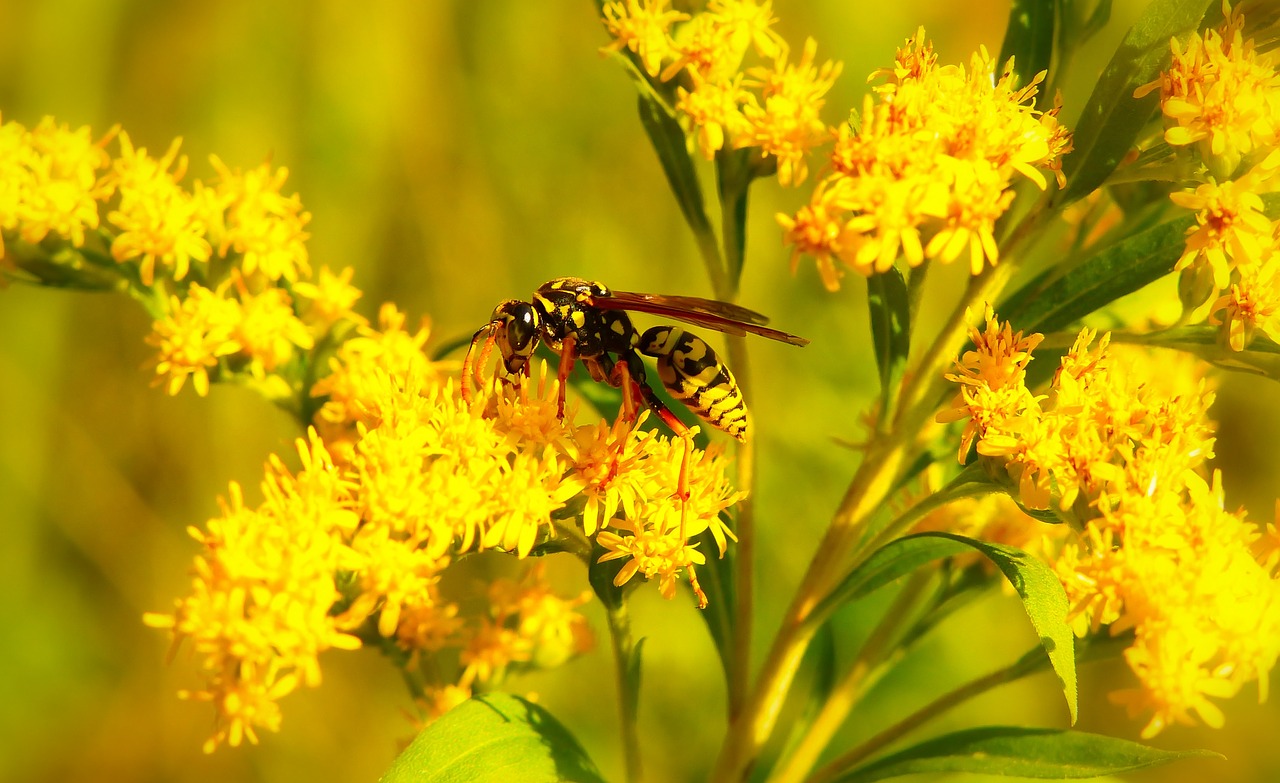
(522, 325)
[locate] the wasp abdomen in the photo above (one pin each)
(694, 374)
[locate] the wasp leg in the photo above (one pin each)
(630, 381)
(468, 367)
(568, 355)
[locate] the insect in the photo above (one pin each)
(585, 321)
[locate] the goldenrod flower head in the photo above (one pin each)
(1222, 96)
(715, 112)
(1252, 305)
(328, 299)
(992, 396)
(787, 123)
(159, 222)
(642, 26)
(15, 177)
(1231, 229)
(253, 218)
(360, 367)
(199, 330)
(268, 331)
(819, 229)
(556, 631)
(932, 167)
(61, 188)
(259, 613)
(1120, 438)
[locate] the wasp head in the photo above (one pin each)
(516, 326)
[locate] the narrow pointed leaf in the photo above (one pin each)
(1260, 357)
(1028, 39)
(1050, 304)
(889, 308)
(668, 141)
(733, 175)
(1045, 304)
(1113, 118)
(1016, 751)
(494, 738)
(1039, 589)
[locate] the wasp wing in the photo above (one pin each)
(711, 313)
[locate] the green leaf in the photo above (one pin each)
(668, 141)
(1017, 751)
(494, 738)
(889, 309)
(716, 578)
(734, 173)
(1113, 118)
(1049, 302)
(1028, 39)
(1039, 589)
(1261, 357)
(1053, 300)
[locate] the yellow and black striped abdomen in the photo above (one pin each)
(694, 374)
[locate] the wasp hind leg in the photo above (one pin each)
(632, 383)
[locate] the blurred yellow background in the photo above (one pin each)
(455, 154)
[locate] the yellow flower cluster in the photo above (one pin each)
(773, 109)
(400, 476)
(51, 181)
(408, 480)
(1221, 103)
(930, 170)
(223, 266)
(1117, 448)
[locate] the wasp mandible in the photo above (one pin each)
(585, 321)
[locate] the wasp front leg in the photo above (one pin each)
(568, 357)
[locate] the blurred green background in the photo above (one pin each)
(454, 153)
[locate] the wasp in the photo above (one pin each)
(586, 321)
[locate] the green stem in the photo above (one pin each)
(744, 558)
(872, 483)
(872, 661)
(627, 672)
(917, 719)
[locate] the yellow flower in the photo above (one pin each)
(714, 110)
(158, 220)
(747, 23)
(655, 549)
(250, 216)
(358, 372)
(198, 331)
(1252, 305)
(15, 178)
(931, 168)
(1231, 229)
(787, 123)
(62, 193)
(820, 229)
(1222, 96)
(491, 649)
(992, 395)
(556, 631)
(268, 331)
(330, 298)
(642, 26)
(259, 613)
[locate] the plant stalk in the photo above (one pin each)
(626, 670)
